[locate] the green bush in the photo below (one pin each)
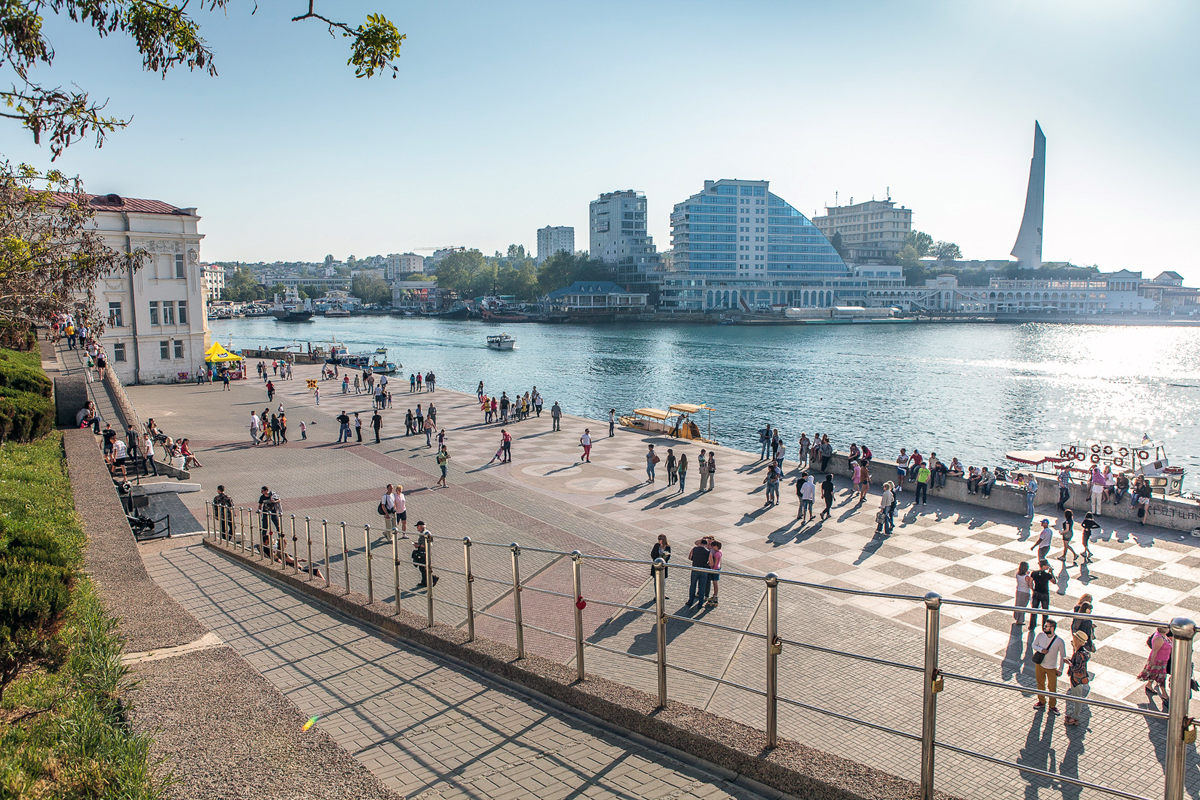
(26, 404)
(23, 373)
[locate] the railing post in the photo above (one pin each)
(470, 588)
(208, 527)
(325, 547)
(577, 580)
(295, 549)
(774, 647)
(242, 527)
(429, 577)
(255, 538)
(516, 569)
(933, 613)
(367, 548)
(345, 558)
(308, 543)
(396, 568)
(1183, 630)
(660, 625)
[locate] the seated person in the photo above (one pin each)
(973, 478)
(189, 458)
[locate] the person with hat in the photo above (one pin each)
(1044, 540)
(1077, 672)
(1049, 653)
(420, 558)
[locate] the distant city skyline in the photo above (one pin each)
(288, 157)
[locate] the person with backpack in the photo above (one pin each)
(1049, 652)
(1077, 674)
(387, 508)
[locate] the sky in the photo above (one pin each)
(509, 116)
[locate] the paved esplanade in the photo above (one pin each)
(546, 499)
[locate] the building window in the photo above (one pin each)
(119, 351)
(168, 309)
(154, 312)
(180, 268)
(164, 351)
(183, 312)
(114, 316)
(179, 348)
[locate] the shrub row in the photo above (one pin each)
(26, 398)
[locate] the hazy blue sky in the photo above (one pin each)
(508, 116)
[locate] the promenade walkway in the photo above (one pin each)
(546, 499)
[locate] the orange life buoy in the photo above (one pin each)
(1118, 462)
(1062, 453)
(1107, 450)
(1095, 458)
(1143, 455)
(1095, 448)
(1124, 451)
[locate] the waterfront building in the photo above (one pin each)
(737, 246)
(294, 282)
(871, 231)
(397, 264)
(157, 321)
(617, 235)
(411, 294)
(1028, 248)
(551, 240)
(596, 297)
(214, 281)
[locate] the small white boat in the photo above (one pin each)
(501, 342)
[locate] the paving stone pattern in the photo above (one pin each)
(425, 728)
(547, 499)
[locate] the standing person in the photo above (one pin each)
(921, 497)
(714, 579)
(1088, 526)
(651, 460)
(764, 441)
(1157, 665)
(358, 427)
(865, 482)
(412, 383)
(224, 380)
(1024, 589)
(274, 429)
(808, 492)
(1031, 487)
(672, 467)
(343, 421)
(902, 463)
(772, 482)
(776, 444)
(1083, 625)
(555, 416)
(537, 402)
(420, 556)
(1064, 487)
(827, 495)
(1077, 674)
(148, 454)
(270, 391)
(420, 381)
(376, 424)
(681, 471)
(1040, 597)
(1044, 539)
(223, 512)
(1049, 652)
(698, 586)
(401, 505)
(282, 426)
(802, 452)
(387, 507)
(254, 428)
(431, 412)
(303, 431)
(586, 442)
(504, 404)
(506, 445)
(826, 453)
(428, 432)
(883, 515)
(270, 515)
(317, 394)
(409, 423)
(443, 458)
(1097, 482)
(702, 468)
(661, 550)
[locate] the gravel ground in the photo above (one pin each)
(149, 617)
(228, 733)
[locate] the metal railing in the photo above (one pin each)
(228, 526)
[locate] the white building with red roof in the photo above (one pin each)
(157, 322)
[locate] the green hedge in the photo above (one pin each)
(26, 397)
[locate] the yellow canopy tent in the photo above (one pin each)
(219, 355)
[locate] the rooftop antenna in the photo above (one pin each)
(889, 193)
(835, 199)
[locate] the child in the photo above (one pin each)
(499, 454)
(714, 579)
(303, 431)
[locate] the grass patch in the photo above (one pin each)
(64, 725)
(26, 397)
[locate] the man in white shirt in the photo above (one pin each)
(389, 510)
(1044, 540)
(885, 523)
(586, 441)
(1054, 651)
(255, 426)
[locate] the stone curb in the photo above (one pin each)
(791, 768)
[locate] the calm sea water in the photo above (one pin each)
(974, 391)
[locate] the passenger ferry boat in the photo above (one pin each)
(291, 308)
(677, 421)
(501, 341)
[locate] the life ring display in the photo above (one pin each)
(1107, 450)
(1118, 462)
(1143, 455)
(1124, 451)
(1095, 458)
(1095, 448)
(1062, 453)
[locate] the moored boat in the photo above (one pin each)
(501, 341)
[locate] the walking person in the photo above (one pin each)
(443, 458)
(612, 421)
(358, 427)
(1040, 597)
(1064, 487)
(223, 511)
(555, 417)
(255, 422)
(387, 507)
(1049, 652)
(827, 495)
(282, 426)
(148, 454)
(1024, 589)
(1157, 665)
(343, 427)
(902, 463)
(401, 506)
(864, 484)
(808, 492)
(883, 517)
(698, 586)
(585, 442)
(420, 557)
(428, 432)
(661, 549)
(1077, 674)
(672, 467)
(651, 460)
(506, 445)
(376, 424)
(1044, 539)
(1066, 530)
(1088, 526)
(682, 471)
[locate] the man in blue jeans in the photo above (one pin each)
(698, 589)
(1031, 488)
(764, 440)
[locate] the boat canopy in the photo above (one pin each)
(653, 413)
(689, 408)
(1034, 457)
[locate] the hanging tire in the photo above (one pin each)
(1062, 453)
(1118, 462)
(1143, 455)
(1107, 450)
(1124, 451)
(1095, 448)
(1095, 458)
